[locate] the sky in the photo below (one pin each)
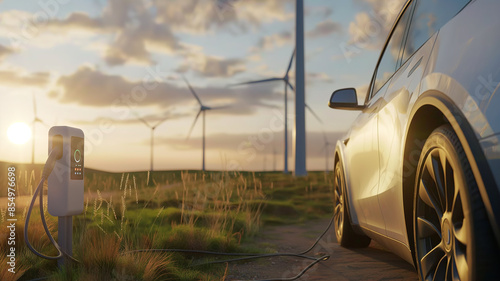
(105, 65)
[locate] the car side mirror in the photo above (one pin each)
(346, 99)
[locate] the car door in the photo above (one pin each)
(362, 153)
(393, 118)
(363, 144)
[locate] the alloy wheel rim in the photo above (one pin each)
(339, 204)
(441, 226)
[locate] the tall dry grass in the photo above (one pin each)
(186, 209)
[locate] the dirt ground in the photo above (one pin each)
(372, 263)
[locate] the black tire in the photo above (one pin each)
(452, 234)
(346, 236)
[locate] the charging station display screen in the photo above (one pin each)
(76, 158)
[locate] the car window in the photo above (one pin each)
(392, 52)
(428, 18)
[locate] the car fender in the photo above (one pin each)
(432, 96)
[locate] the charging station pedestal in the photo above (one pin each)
(65, 183)
(65, 238)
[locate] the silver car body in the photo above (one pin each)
(454, 76)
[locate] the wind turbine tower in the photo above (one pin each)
(300, 118)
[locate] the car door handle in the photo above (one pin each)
(415, 67)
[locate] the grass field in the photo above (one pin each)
(195, 210)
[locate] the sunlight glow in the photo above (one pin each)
(19, 133)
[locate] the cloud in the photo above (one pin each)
(286, 37)
(135, 28)
(324, 28)
(78, 20)
(199, 17)
(318, 76)
(318, 11)
(5, 51)
(151, 119)
(210, 66)
(138, 33)
(140, 27)
(12, 78)
(126, 48)
(23, 29)
(273, 41)
(90, 87)
(361, 34)
(369, 30)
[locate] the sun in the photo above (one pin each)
(19, 133)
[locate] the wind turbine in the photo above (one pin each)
(203, 109)
(33, 123)
(287, 84)
(153, 128)
(326, 150)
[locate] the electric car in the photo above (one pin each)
(419, 169)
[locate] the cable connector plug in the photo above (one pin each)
(55, 153)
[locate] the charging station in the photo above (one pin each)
(65, 183)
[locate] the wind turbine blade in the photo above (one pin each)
(41, 122)
(290, 64)
(192, 91)
(314, 114)
(143, 121)
(194, 123)
(290, 85)
(220, 107)
(160, 122)
(139, 117)
(258, 81)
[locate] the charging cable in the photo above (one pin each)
(246, 256)
(299, 255)
(47, 170)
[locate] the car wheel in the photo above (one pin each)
(346, 236)
(453, 238)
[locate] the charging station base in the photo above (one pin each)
(65, 238)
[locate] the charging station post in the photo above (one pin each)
(65, 183)
(65, 237)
